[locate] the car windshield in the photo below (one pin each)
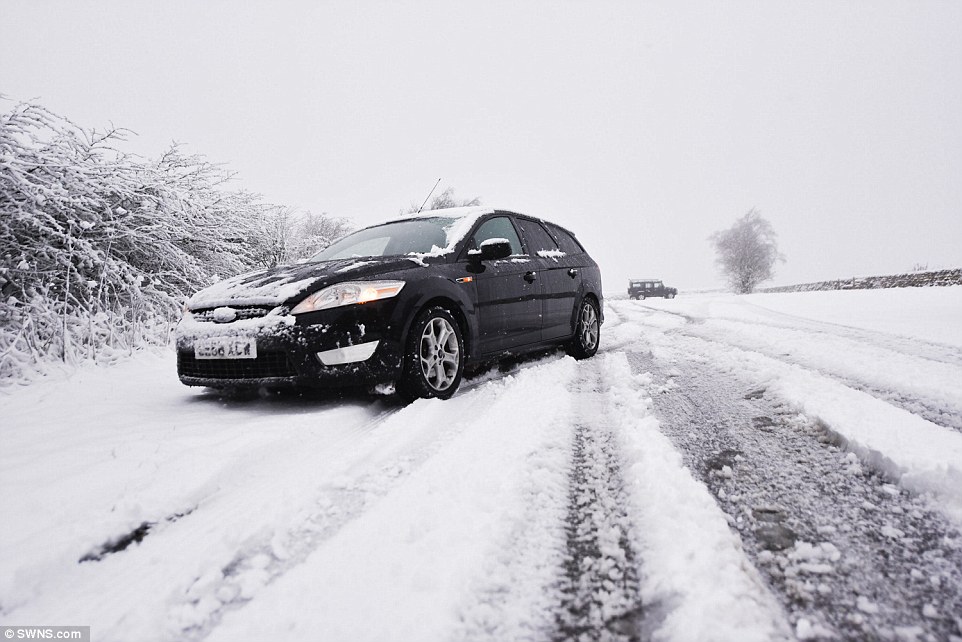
(427, 235)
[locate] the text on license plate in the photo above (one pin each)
(225, 348)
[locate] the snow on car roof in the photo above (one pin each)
(454, 212)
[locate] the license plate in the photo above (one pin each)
(225, 348)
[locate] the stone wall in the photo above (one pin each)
(910, 280)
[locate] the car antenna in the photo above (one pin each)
(429, 196)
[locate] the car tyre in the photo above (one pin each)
(433, 362)
(587, 331)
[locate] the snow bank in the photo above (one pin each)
(88, 460)
(409, 568)
(929, 314)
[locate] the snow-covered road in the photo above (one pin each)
(727, 468)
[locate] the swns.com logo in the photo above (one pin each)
(73, 633)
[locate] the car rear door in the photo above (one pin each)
(582, 271)
(560, 279)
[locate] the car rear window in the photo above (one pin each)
(567, 243)
(536, 238)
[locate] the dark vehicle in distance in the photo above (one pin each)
(644, 288)
(410, 302)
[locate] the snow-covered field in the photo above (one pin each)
(761, 467)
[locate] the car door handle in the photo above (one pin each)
(530, 276)
(572, 273)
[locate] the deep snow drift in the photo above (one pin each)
(554, 501)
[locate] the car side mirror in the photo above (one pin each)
(494, 249)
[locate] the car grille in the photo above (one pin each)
(242, 313)
(267, 364)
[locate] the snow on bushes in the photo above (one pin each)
(99, 248)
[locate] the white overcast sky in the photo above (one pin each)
(642, 126)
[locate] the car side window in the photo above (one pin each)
(567, 243)
(536, 238)
(499, 227)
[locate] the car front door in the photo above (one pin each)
(508, 291)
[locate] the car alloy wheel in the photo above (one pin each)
(434, 357)
(587, 331)
(440, 354)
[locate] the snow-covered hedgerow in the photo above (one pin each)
(98, 247)
(923, 279)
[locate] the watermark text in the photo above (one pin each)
(74, 633)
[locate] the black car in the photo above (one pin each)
(410, 302)
(644, 288)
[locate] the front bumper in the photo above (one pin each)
(352, 345)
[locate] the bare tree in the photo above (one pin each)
(747, 252)
(447, 199)
(286, 236)
(441, 201)
(314, 232)
(272, 238)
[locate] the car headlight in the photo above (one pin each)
(350, 293)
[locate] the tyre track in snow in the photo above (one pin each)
(848, 554)
(647, 550)
(111, 546)
(602, 595)
(929, 409)
(571, 565)
(155, 526)
(922, 355)
(929, 350)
